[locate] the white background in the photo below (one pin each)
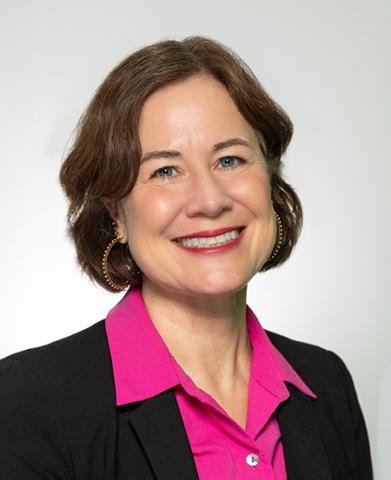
(326, 63)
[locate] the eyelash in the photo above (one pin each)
(229, 167)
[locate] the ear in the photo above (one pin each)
(112, 208)
(118, 217)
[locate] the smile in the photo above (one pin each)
(211, 244)
(205, 242)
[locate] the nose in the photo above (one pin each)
(207, 196)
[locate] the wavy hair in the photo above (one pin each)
(103, 161)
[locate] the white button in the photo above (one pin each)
(252, 459)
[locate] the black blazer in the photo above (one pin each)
(58, 418)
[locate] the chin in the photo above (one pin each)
(215, 285)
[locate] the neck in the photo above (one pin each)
(206, 335)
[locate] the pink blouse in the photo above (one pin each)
(144, 367)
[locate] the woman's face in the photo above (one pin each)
(198, 187)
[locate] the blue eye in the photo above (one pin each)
(164, 172)
(230, 157)
(156, 172)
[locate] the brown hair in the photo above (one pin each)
(103, 162)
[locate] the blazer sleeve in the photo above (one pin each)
(361, 435)
(32, 441)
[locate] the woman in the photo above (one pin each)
(176, 196)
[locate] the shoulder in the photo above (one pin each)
(319, 366)
(88, 337)
(324, 371)
(51, 398)
(337, 404)
(63, 368)
(309, 358)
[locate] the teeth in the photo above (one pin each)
(204, 242)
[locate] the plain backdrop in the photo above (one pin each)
(326, 63)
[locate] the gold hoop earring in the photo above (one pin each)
(115, 286)
(278, 243)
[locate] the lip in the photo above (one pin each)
(212, 233)
(213, 249)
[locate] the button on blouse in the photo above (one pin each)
(144, 367)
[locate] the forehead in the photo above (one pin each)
(196, 110)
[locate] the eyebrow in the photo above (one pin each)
(174, 153)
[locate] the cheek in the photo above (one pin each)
(253, 191)
(149, 211)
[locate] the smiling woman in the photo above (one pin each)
(200, 87)
(197, 192)
(176, 195)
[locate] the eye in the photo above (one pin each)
(228, 163)
(163, 170)
(166, 171)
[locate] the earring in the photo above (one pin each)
(278, 243)
(106, 253)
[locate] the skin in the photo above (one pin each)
(198, 302)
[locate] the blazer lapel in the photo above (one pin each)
(305, 456)
(160, 428)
